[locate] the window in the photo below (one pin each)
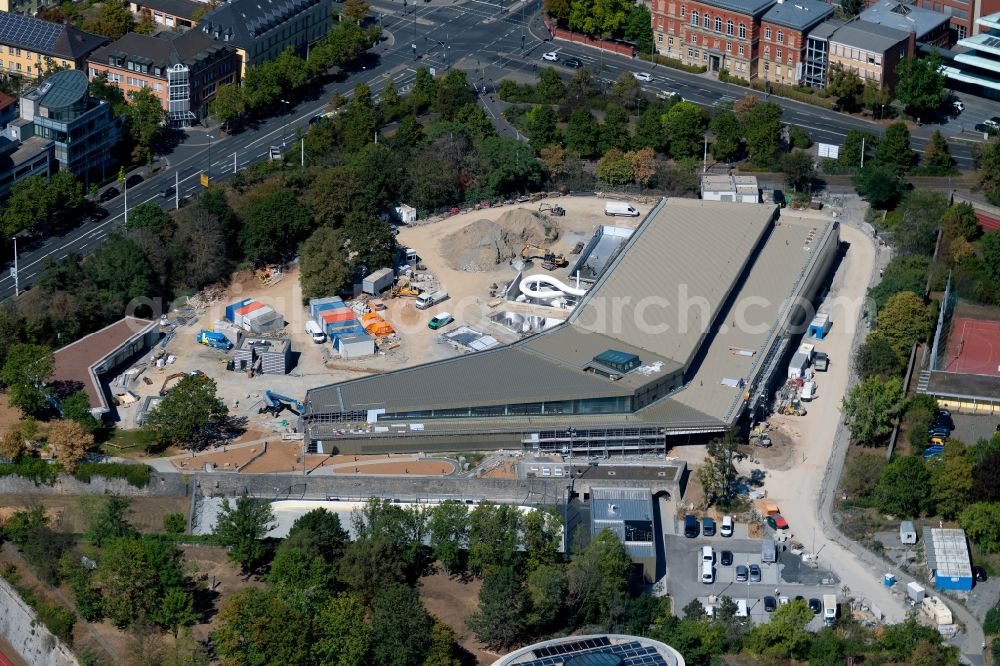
(766, 67)
(92, 72)
(961, 32)
(743, 31)
(694, 38)
(18, 67)
(779, 53)
(690, 53)
(707, 22)
(791, 40)
(718, 24)
(158, 87)
(729, 47)
(742, 50)
(10, 50)
(767, 33)
(670, 41)
(694, 19)
(729, 27)
(683, 11)
(781, 36)
(17, 52)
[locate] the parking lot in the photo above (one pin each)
(970, 428)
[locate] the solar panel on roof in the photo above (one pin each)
(992, 41)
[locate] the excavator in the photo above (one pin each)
(555, 210)
(550, 260)
(404, 288)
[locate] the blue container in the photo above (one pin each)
(889, 579)
(231, 309)
(317, 304)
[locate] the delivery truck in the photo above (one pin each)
(620, 208)
(829, 609)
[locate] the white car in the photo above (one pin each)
(958, 105)
(645, 77)
(551, 56)
(727, 526)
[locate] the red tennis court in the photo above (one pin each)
(974, 347)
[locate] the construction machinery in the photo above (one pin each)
(213, 339)
(275, 402)
(554, 210)
(403, 287)
(550, 260)
(170, 378)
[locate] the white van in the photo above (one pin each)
(726, 529)
(707, 573)
(620, 208)
(313, 329)
(808, 391)
(707, 554)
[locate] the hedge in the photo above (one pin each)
(42, 472)
(673, 62)
(136, 475)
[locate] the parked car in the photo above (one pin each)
(726, 529)
(690, 526)
(573, 63)
(779, 198)
(440, 321)
(958, 105)
(133, 180)
(815, 605)
(707, 573)
(726, 558)
(777, 522)
(707, 526)
(645, 77)
(754, 573)
(770, 604)
(96, 214)
(993, 123)
(108, 194)
(551, 56)
(742, 573)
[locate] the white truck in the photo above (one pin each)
(620, 208)
(829, 608)
(426, 300)
(314, 330)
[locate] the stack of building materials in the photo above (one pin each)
(341, 325)
(375, 325)
(252, 315)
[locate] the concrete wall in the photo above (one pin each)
(31, 639)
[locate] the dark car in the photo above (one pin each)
(777, 522)
(741, 573)
(707, 526)
(109, 194)
(96, 214)
(726, 558)
(979, 574)
(799, 597)
(754, 573)
(770, 604)
(573, 63)
(779, 198)
(690, 526)
(815, 606)
(133, 180)
(938, 431)
(168, 191)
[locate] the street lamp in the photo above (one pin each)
(284, 130)
(17, 286)
(208, 169)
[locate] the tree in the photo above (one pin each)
(242, 527)
(318, 532)
(344, 636)
(424, 91)
(120, 272)
(449, 532)
(921, 86)
(114, 20)
(784, 636)
(323, 270)
(258, 627)
(582, 133)
(493, 535)
(454, 92)
(598, 580)
(626, 90)
(201, 245)
(880, 185)
(145, 117)
(639, 28)
(401, 628)
(443, 650)
(557, 8)
(614, 131)
(951, 480)
(870, 408)
(76, 407)
(875, 98)
(176, 611)
(894, 148)
(42, 203)
(902, 274)
(542, 533)
(499, 620)
(960, 222)
(723, 454)
(174, 523)
(514, 166)
(269, 217)
(902, 490)
(649, 130)
(851, 8)
(550, 88)
(937, 156)
(228, 105)
(542, 130)
(547, 587)
(643, 164)
(855, 143)
(862, 474)
(302, 579)
(356, 10)
(12, 445)
(981, 522)
(876, 357)
(686, 123)
(986, 477)
(128, 584)
(905, 320)
(800, 171)
(189, 415)
(846, 86)
(615, 169)
(989, 246)
(728, 137)
(100, 88)
(71, 442)
(987, 156)
(110, 521)
(762, 130)
(920, 214)
(25, 373)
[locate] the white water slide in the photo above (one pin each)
(531, 286)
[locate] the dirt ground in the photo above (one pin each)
(10, 417)
(209, 565)
(70, 512)
(453, 601)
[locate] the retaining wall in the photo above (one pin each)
(32, 640)
(603, 44)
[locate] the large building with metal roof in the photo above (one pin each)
(682, 334)
(595, 650)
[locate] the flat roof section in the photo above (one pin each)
(628, 513)
(948, 553)
(964, 387)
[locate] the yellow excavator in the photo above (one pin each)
(404, 288)
(550, 260)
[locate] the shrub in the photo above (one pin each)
(174, 523)
(42, 472)
(992, 624)
(136, 475)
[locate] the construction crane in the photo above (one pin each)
(550, 260)
(555, 210)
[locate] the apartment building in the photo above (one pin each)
(20, 160)
(870, 50)
(83, 129)
(26, 7)
(183, 71)
(29, 47)
(784, 28)
(260, 30)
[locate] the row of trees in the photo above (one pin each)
(604, 19)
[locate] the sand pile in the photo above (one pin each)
(484, 244)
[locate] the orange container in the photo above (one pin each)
(344, 314)
(247, 309)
